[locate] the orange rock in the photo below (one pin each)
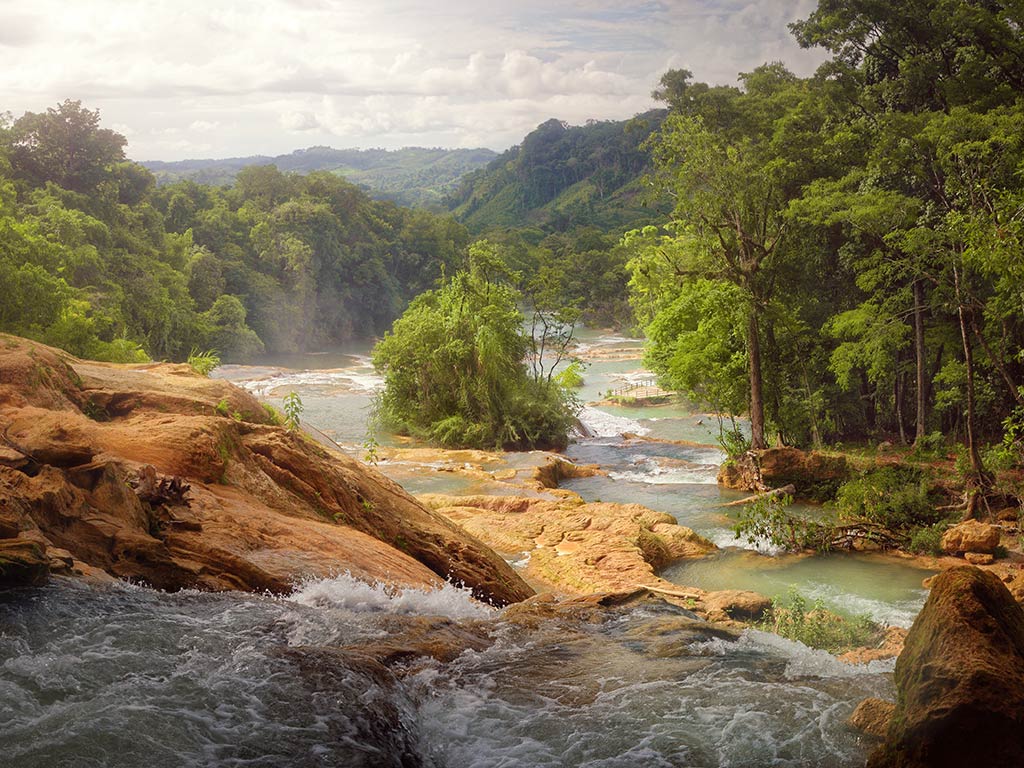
(872, 716)
(265, 508)
(971, 536)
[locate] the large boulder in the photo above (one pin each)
(971, 536)
(960, 679)
(156, 474)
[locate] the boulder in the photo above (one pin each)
(137, 471)
(960, 679)
(971, 536)
(979, 558)
(22, 563)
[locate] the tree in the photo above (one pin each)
(732, 186)
(454, 372)
(64, 145)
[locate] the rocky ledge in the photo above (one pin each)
(157, 474)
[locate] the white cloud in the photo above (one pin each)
(236, 78)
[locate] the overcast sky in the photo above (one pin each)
(220, 78)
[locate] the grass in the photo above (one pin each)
(816, 627)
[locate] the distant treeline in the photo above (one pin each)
(99, 260)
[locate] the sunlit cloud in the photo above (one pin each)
(239, 78)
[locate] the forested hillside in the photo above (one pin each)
(97, 259)
(562, 177)
(413, 176)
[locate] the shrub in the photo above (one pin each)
(893, 497)
(292, 411)
(203, 362)
(927, 539)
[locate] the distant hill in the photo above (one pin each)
(563, 176)
(413, 176)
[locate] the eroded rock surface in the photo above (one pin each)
(815, 476)
(971, 536)
(88, 446)
(576, 547)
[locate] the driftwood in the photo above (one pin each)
(670, 592)
(153, 489)
(786, 490)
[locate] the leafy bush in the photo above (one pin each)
(927, 539)
(816, 627)
(766, 519)
(572, 376)
(733, 441)
(893, 497)
(203, 362)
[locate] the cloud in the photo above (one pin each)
(241, 78)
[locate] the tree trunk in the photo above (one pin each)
(756, 389)
(897, 395)
(919, 352)
(977, 467)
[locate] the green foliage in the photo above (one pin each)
(813, 625)
(99, 261)
(927, 539)
(371, 450)
(571, 377)
(273, 415)
(292, 411)
(222, 408)
(453, 366)
(562, 177)
(411, 176)
(766, 519)
(203, 361)
(895, 497)
(733, 441)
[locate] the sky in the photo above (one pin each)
(225, 78)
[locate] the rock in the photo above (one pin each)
(960, 679)
(979, 558)
(735, 604)
(135, 471)
(555, 470)
(22, 563)
(575, 547)
(1008, 515)
(970, 536)
(872, 716)
(815, 476)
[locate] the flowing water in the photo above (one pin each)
(127, 676)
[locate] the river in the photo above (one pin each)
(128, 676)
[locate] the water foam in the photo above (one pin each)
(653, 473)
(603, 424)
(348, 593)
(361, 380)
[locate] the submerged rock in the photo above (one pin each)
(960, 679)
(157, 474)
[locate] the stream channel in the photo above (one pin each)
(129, 676)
